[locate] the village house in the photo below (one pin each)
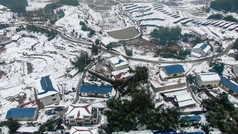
(47, 91)
(172, 71)
(208, 79)
(200, 50)
(228, 85)
(95, 90)
(22, 114)
(118, 63)
(83, 130)
(82, 114)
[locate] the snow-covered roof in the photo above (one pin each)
(83, 130)
(206, 77)
(120, 74)
(162, 74)
(204, 47)
(2, 32)
(118, 61)
(198, 31)
(184, 97)
(27, 129)
(46, 86)
(79, 110)
(196, 54)
(186, 103)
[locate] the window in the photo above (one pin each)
(54, 99)
(53, 95)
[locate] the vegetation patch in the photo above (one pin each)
(50, 34)
(69, 2)
(169, 53)
(221, 17)
(18, 6)
(225, 5)
(2, 26)
(125, 115)
(167, 36)
(222, 114)
(81, 62)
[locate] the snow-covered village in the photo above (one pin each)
(118, 66)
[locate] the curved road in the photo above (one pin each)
(63, 34)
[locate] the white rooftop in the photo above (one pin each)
(83, 130)
(79, 110)
(163, 74)
(118, 61)
(198, 31)
(41, 93)
(186, 103)
(206, 77)
(196, 54)
(135, 132)
(200, 45)
(183, 97)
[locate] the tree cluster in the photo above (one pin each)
(50, 34)
(129, 52)
(18, 6)
(139, 112)
(169, 53)
(69, 2)
(81, 62)
(86, 28)
(50, 14)
(167, 36)
(221, 17)
(225, 5)
(218, 67)
(2, 26)
(222, 114)
(12, 125)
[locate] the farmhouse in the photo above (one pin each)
(208, 79)
(200, 50)
(228, 85)
(22, 114)
(83, 130)
(118, 63)
(172, 71)
(122, 74)
(47, 91)
(95, 90)
(82, 114)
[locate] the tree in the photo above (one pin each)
(81, 62)
(219, 68)
(230, 18)
(128, 52)
(216, 16)
(94, 50)
(12, 125)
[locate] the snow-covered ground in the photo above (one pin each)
(46, 58)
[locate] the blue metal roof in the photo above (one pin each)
(46, 85)
(193, 133)
(165, 132)
(203, 46)
(227, 83)
(192, 118)
(174, 69)
(20, 112)
(95, 89)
